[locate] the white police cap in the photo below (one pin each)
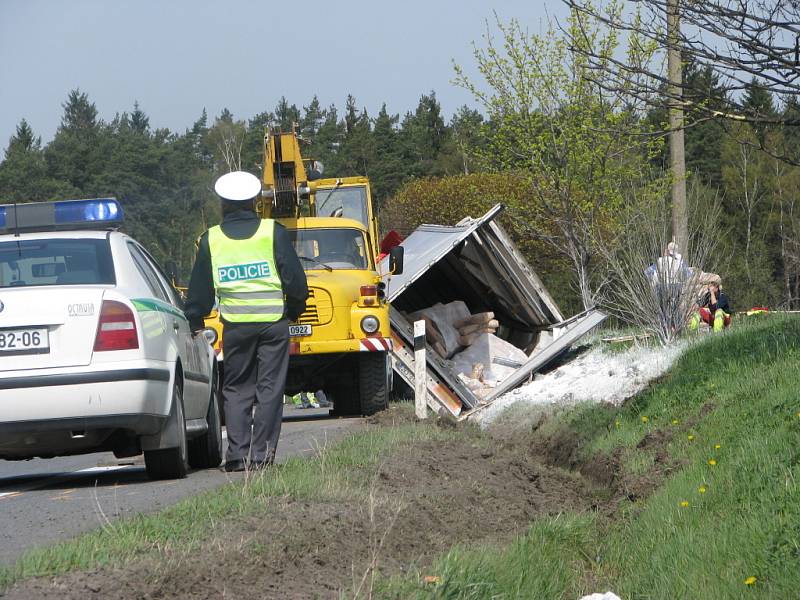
(238, 186)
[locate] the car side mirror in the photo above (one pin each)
(396, 260)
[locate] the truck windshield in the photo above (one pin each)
(330, 248)
(343, 201)
(55, 262)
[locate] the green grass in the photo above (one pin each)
(678, 543)
(341, 472)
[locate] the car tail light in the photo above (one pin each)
(368, 295)
(116, 329)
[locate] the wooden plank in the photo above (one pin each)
(627, 338)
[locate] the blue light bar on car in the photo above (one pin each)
(80, 211)
(99, 213)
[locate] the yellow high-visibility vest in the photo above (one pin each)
(245, 275)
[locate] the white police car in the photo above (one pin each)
(95, 352)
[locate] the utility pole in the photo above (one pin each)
(677, 154)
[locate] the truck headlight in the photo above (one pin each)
(370, 324)
(211, 335)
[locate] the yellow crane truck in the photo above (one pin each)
(341, 343)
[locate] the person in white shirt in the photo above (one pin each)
(668, 277)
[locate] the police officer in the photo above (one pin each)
(250, 264)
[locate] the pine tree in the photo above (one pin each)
(140, 123)
(702, 93)
(423, 135)
(328, 140)
(79, 113)
(350, 114)
(253, 148)
(758, 101)
(23, 172)
(791, 134)
(312, 119)
(466, 141)
(389, 169)
(76, 154)
(286, 115)
(23, 140)
(355, 156)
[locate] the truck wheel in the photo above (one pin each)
(205, 452)
(170, 463)
(374, 381)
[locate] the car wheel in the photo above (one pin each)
(205, 452)
(171, 463)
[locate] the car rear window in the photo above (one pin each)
(55, 262)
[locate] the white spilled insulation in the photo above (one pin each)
(595, 376)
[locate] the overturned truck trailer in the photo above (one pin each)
(476, 262)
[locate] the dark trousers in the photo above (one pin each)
(256, 361)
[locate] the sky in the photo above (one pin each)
(176, 57)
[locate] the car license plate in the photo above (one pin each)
(30, 340)
(299, 330)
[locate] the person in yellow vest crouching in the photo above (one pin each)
(250, 264)
(713, 309)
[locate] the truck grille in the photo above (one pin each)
(319, 308)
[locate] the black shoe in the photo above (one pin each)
(235, 466)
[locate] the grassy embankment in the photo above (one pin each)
(724, 524)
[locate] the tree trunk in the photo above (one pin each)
(584, 282)
(787, 288)
(680, 222)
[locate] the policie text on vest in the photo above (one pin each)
(243, 272)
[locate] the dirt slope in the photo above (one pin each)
(423, 501)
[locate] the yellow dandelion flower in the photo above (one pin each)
(690, 437)
(432, 579)
(702, 489)
(750, 580)
(675, 421)
(684, 503)
(645, 419)
(617, 423)
(717, 446)
(712, 462)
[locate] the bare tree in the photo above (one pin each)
(648, 288)
(741, 41)
(745, 174)
(228, 137)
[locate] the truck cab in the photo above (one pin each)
(342, 341)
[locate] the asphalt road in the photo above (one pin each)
(44, 501)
